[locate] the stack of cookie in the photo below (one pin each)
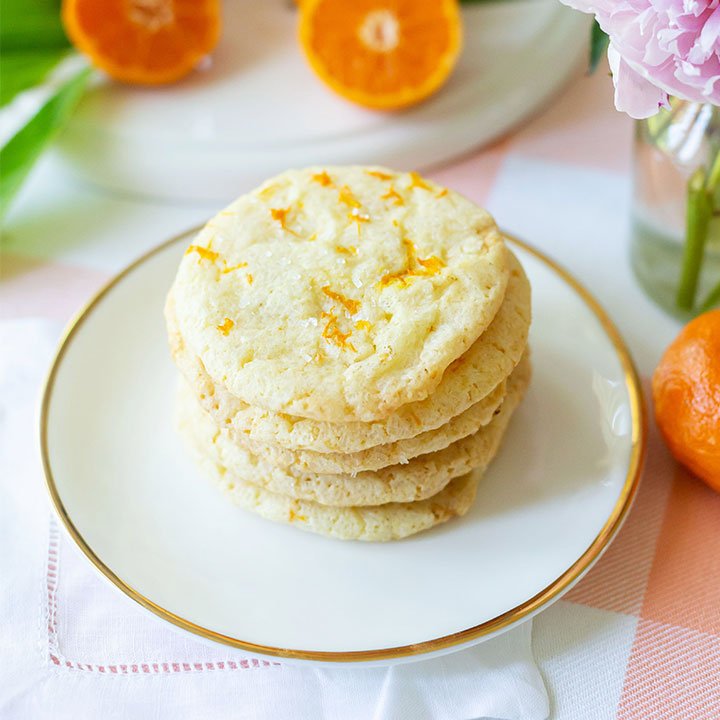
(353, 346)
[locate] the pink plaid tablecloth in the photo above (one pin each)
(639, 637)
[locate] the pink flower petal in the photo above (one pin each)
(634, 95)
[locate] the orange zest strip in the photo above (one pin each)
(349, 250)
(403, 278)
(226, 326)
(345, 195)
(379, 175)
(416, 181)
(292, 515)
(323, 178)
(280, 215)
(332, 334)
(432, 265)
(429, 266)
(203, 252)
(230, 268)
(392, 194)
(358, 218)
(250, 279)
(363, 325)
(442, 193)
(352, 306)
(410, 251)
(267, 192)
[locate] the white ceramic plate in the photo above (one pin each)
(258, 109)
(131, 498)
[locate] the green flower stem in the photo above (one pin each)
(699, 212)
(712, 299)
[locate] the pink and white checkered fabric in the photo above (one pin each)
(639, 637)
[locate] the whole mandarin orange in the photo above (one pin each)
(686, 391)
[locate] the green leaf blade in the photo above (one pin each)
(20, 153)
(599, 42)
(24, 69)
(31, 25)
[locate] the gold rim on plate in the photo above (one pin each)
(560, 585)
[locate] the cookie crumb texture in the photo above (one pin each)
(339, 294)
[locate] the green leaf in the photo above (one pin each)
(599, 42)
(31, 25)
(23, 69)
(19, 154)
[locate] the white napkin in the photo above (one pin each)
(71, 646)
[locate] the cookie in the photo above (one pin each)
(379, 523)
(380, 456)
(420, 478)
(466, 381)
(339, 294)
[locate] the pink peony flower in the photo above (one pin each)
(660, 48)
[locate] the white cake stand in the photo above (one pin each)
(257, 109)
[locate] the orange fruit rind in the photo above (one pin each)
(686, 393)
(144, 42)
(381, 54)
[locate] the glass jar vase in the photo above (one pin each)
(676, 207)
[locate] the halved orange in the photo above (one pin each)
(148, 42)
(382, 54)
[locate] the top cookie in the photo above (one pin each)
(339, 294)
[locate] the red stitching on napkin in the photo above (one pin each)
(146, 668)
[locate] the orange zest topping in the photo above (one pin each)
(380, 54)
(230, 268)
(345, 195)
(145, 42)
(250, 279)
(379, 175)
(432, 266)
(442, 193)
(280, 215)
(358, 218)
(429, 266)
(312, 237)
(403, 278)
(332, 333)
(292, 515)
(203, 252)
(352, 306)
(349, 250)
(392, 194)
(416, 181)
(362, 325)
(410, 250)
(267, 191)
(323, 178)
(226, 326)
